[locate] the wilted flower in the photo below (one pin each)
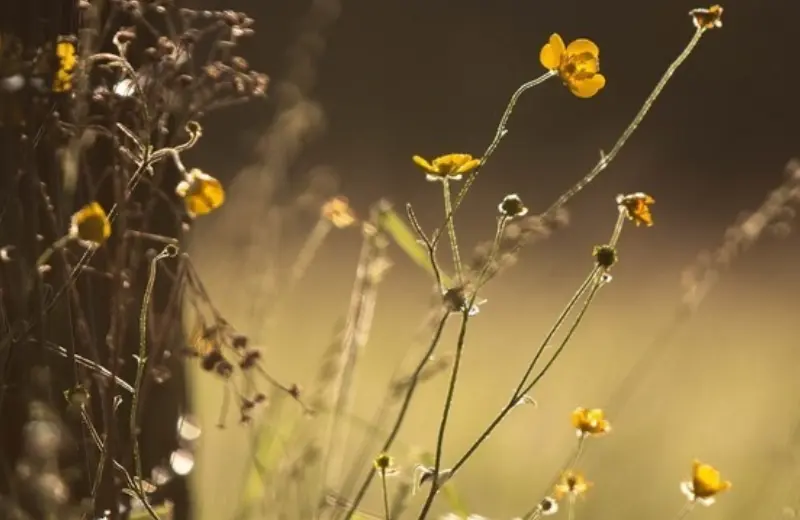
(90, 225)
(705, 484)
(384, 463)
(707, 18)
(512, 206)
(572, 484)
(65, 52)
(201, 193)
(605, 256)
(548, 506)
(590, 422)
(637, 207)
(578, 64)
(338, 212)
(447, 167)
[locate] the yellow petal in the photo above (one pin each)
(422, 163)
(589, 87)
(468, 166)
(581, 46)
(550, 55)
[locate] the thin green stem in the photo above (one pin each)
(569, 465)
(169, 251)
(498, 136)
(617, 229)
(55, 246)
(451, 230)
(684, 511)
(571, 507)
(385, 495)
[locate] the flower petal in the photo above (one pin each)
(468, 166)
(550, 55)
(589, 87)
(581, 46)
(424, 164)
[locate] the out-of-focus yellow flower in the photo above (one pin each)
(572, 484)
(65, 53)
(706, 483)
(90, 225)
(338, 212)
(451, 166)
(636, 207)
(710, 18)
(201, 193)
(590, 422)
(578, 64)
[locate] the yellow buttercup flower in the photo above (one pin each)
(578, 64)
(590, 422)
(451, 166)
(65, 52)
(572, 484)
(706, 483)
(710, 18)
(637, 207)
(90, 225)
(201, 193)
(338, 212)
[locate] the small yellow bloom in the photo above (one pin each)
(578, 64)
(201, 192)
(338, 212)
(90, 225)
(710, 18)
(572, 484)
(637, 207)
(590, 422)
(706, 483)
(451, 166)
(65, 52)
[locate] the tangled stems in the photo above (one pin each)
(170, 251)
(412, 386)
(498, 136)
(606, 159)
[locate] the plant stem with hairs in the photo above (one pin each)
(169, 251)
(385, 493)
(451, 230)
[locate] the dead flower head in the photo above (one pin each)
(590, 422)
(572, 484)
(512, 207)
(447, 167)
(706, 483)
(710, 18)
(548, 506)
(384, 464)
(201, 193)
(636, 207)
(337, 211)
(577, 64)
(605, 256)
(90, 225)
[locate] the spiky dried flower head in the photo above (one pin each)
(447, 167)
(605, 255)
(90, 225)
(636, 207)
(707, 18)
(706, 483)
(577, 64)
(512, 207)
(338, 212)
(589, 422)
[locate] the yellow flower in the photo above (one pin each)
(578, 64)
(338, 212)
(590, 422)
(201, 192)
(65, 52)
(636, 207)
(572, 484)
(90, 225)
(710, 18)
(706, 483)
(451, 166)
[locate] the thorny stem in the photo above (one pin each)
(498, 136)
(451, 230)
(169, 251)
(606, 159)
(522, 390)
(412, 386)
